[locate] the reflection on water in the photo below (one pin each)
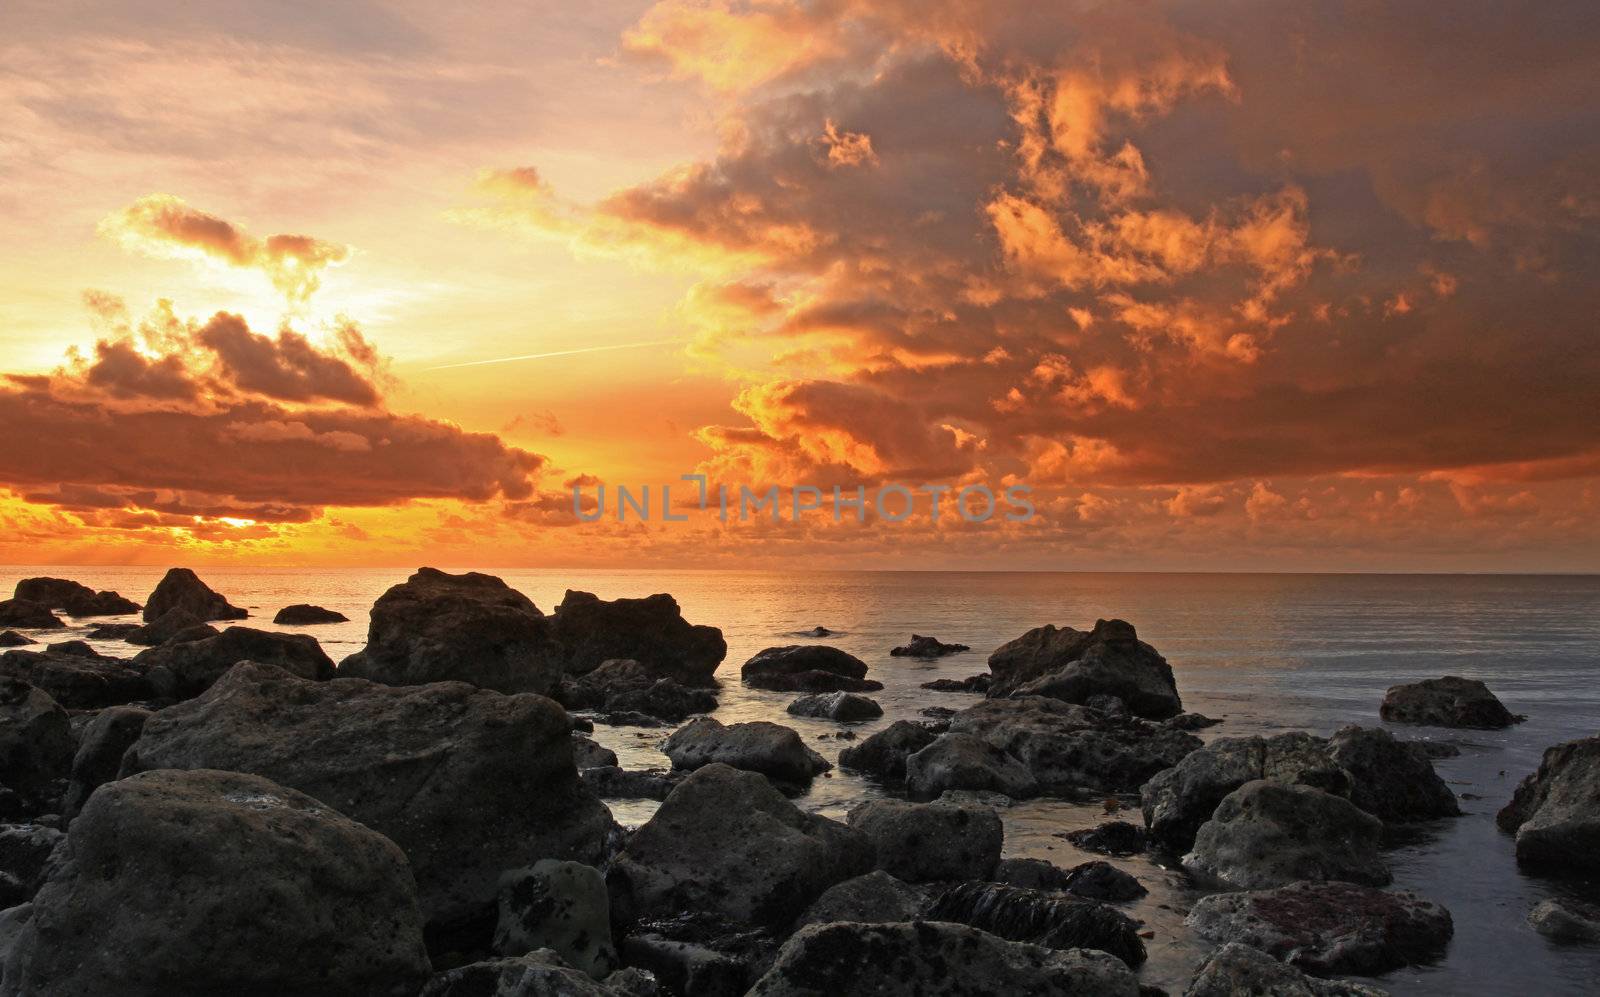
(1266, 652)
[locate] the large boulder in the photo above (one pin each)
(73, 598)
(75, 681)
(185, 669)
(467, 782)
(303, 614)
(759, 746)
(1074, 665)
(1327, 928)
(438, 627)
(182, 884)
(884, 754)
(875, 897)
(652, 631)
(1054, 920)
(727, 843)
(961, 761)
(101, 745)
(933, 959)
(28, 615)
(1446, 702)
(181, 588)
(561, 906)
(1267, 834)
(845, 707)
(1555, 811)
(928, 842)
(1390, 779)
(35, 741)
(807, 668)
(1237, 970)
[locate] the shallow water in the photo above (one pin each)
(1265, 652)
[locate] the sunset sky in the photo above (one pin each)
(1270, 285)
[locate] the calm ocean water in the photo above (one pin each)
(1266, 653)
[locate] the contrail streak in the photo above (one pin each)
(557, 353)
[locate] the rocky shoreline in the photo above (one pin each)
(228, 810)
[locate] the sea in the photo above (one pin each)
(1265, 653)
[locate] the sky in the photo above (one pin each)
(1224, 285)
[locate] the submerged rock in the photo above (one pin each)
(1053, 920)
(771, 749)
(875, 897)
(305, 614)
(961, 761)
(1555, 811)
(927, 647)
(185, 669)
(845, 707)
(926, 842)
(1116, 837)
(28, 615)
(884, 754)
(73, 598)
(1073, 665)
(36, 743)
(1566, 920)
(1446, 702)
(561, 906)
(1237, 970)
(181, 588)
(77, 682)
(1267, 834)
(100, 749)
(818, 631)
(652, 631)
(807, 668)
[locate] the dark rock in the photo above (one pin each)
(220, 883)
(73, 598)
(927, 647)
(652, 631)
(1053, 920)
(875, 897)
(929, 842)
(1117, 837)
(1104, 881)
(845, 707)
(629, 718)
(174, 626)
(588, 754)
(36, 743)
(467, 782)
(1190, 721)
(1328, 928)
(1391, 780)
(28, 615)
(561, 906)
(181, 588)
(807, 668)
(24, 856)
(941, 713)
(536, 974)
(612, 783)
(1267, 834)
(727, 843)
(932, 959)
(304, 614)
(814, 632)
(1237, 970)
(884, 754)
(185, 669)
(698, 955)
(1566, 920)
(664, 699)
(961, 761)
(972, 683)
(100, 749)
(13, 639)
(77, 648)
(1555, 811)
(1072, 665)
(112, 631)
(1446, 702)
(771, 749)
(76, 682)
(1031, 874)
(437, 627)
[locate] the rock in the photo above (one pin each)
(561, 906)
(932, 959)
(588, 754)
(610, 782)
(73, 598)
(807, 668)
(727, 843)
(1031, 874)
(814, 632)
(845, 707)
(537, 974)
(181, 588)
(76, 682)
(961, 761)
(174, 625)
(78, 648)
(1104, 881)
(437, 627)
(36, 743)
(11, 638)
(694, 954)
(304, 614)
(1446, 702)
(1566, 920)
(652, 631)
(1237, 970)
(771, 749)
(217, 882)
(1391, 780)
(1267, 834)
(185, 669)
(1328, 928)
(28, 615)
(927, 647)
(884, 754)
(467, 782)
(1072, 665)
(24, 856)
(629, 718)
(972, 683)
(665, 699)
(929, 842)
(875, 897)
(1190, 721)
(1116, 837)
(1053, 920)
(100, 749)
(1555, 812)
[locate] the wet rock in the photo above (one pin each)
(1566, 920)
(106, 631)
(1390, 779)
(1446, 702)
(629, 718)
(1104, 881)
(28, 615)
(699, 955)
(305, 614)
(609, 782)
(561, 906)
(814, 632)
(875, 897)
(727, 843)
(932, 959)
(24, 853)
(1073, 665)
(104, 741)
(217, 882)
(1267, 834)
(175, 625)
(1053, 920)
(1190, 721)
(972, 683)
(1237, 970)
(1328, 928)
(588, 754)
(652, 631)
(771, 749)
(181, 588)
(663, 699)
(467, 782)
(185, 669)
(73, 598)
(1116, 837)
(884, 754)
(1555, 811)
(11, 638)
(927, 647)
(845, 707)
(624, 685)
(928, 842)
(76, 682)
(961, 761)
(538, 974)
(437, 627)
(36, 743)
(807, 668)
(1031, 874)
